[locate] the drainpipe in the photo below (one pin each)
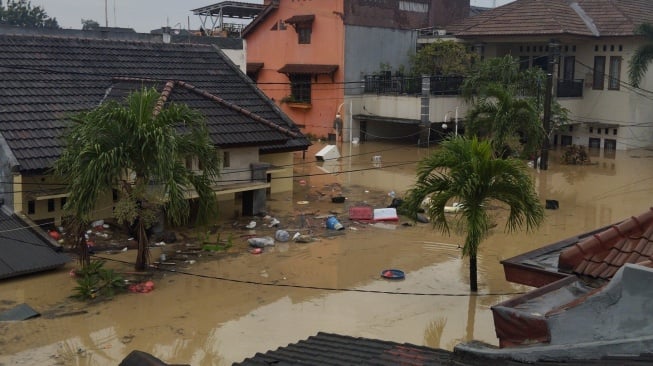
(425, 124)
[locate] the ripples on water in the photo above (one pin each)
(202, 320)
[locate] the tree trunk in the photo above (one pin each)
(143, 255)
(473, 281)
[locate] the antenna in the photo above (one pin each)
(106, 15)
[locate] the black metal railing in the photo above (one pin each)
(408, 85)
(570, 88)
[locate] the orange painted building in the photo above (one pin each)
(309, 56)
(295, 53)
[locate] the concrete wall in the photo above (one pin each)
(281, 171)
(276, 48)
(49, 205)
(239, 170)
(627, 110)
(367, 48)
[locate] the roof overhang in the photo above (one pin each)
(404, 121)
(254, 67)
(308, 69)
(231, 9)
(300, 19)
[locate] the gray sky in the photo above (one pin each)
(144, 15)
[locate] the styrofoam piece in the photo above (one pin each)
(328, 152)
(386, 214)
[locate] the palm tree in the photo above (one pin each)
(643, 55)
(139, 147)
(506, 120)
(465, 170)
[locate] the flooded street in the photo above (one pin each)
(227, 307)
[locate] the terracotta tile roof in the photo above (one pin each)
(558, 17)
(602, 254)
(46, 78)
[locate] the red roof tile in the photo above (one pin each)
(602, 254)
(557, 17)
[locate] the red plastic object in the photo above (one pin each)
(361, 213)
(393, 274)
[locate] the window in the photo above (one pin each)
(51, 205)
(31, 207)
(524, 62)
(591, 129)
(304, 31)
(226, 159)
(614, 75)
(189, 162)
(63, 202)
(303, 25)
(570, 65)
(614, 132)
(300, 87)
(599, 71)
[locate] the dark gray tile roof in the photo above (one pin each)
(334, 349)
(228, 125)
(44, 79)
(23, 251)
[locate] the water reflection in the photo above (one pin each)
(235, 305)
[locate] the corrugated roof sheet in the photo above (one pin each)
(23, 251)
(557, 17)
(45, 79)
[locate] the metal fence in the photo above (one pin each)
(385, 84)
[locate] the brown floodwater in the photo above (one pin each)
(221, 308)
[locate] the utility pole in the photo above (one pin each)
(548, 98)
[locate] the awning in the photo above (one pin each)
(254, 67)
(300, 19)
(310, 69)
(404, 121)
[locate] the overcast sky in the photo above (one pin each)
(144, 15)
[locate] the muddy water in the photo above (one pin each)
(226, 307)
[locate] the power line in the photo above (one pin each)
(306, 287)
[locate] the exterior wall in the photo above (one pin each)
(7, 163)
(625, 110)
(239, 170)
(404, 14)
(238, 57)
(281, 172)
(49, 205)
(276, 48)
(367, 48)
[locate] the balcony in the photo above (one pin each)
(385, 84)
(572, 88)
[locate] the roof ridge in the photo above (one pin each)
(237, 108)
(589, 22)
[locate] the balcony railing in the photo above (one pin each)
(570, 88)
(409, 85)
(447, 85)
